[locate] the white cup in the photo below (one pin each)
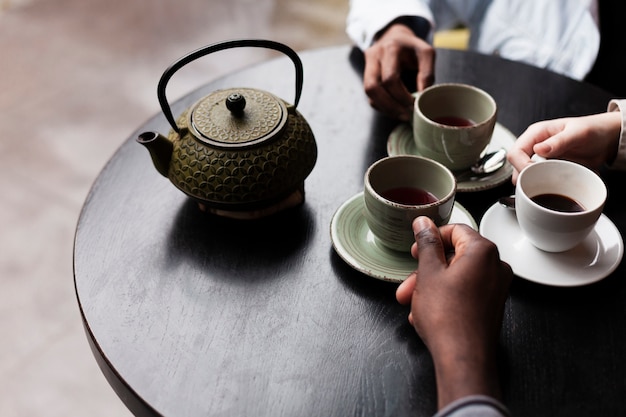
(560, 184)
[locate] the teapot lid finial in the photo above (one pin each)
(236, 102)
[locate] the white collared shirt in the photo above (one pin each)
(559, 35)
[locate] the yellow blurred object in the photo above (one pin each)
(452, 39)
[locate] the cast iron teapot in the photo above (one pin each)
(240, 152)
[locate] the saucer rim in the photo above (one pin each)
(485, 183)
(339, 242)
(599, 274)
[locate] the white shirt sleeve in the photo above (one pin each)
(367, 17)
(620, 160)
(560, 35)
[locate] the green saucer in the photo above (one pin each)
(356, 245)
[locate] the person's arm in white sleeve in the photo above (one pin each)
(393, 37)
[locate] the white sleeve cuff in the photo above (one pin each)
(368, 17)
(620, 160)
(474, 406)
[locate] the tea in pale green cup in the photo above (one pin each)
(400, 188)
(453, 124)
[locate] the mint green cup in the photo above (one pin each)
(390, 220)
(453, 124)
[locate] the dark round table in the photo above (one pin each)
(190, 314)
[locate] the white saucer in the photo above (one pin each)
(356, 245)
(593, 259)
(401, 142)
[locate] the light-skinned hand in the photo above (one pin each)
(588, 140)
(396, 50)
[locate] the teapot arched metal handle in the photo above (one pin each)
(192, 56)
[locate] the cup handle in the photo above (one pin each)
(415, 94)
(537, 158)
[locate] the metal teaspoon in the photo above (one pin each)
(508, 202)
(489, 163)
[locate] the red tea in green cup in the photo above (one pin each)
(400, 188)
(453, 124)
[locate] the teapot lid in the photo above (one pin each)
(237, 117)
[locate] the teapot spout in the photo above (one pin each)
(160, 149)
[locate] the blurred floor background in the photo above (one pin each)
(76, 78)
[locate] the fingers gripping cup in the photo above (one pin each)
(453, 124)
(400, 188)
(558, 203)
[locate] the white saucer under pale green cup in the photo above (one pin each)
(394, 194)
(574, 188)
(453, 123)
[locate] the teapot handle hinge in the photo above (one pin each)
(192, 56)
(291, 109)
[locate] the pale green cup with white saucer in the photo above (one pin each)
(453, 123)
